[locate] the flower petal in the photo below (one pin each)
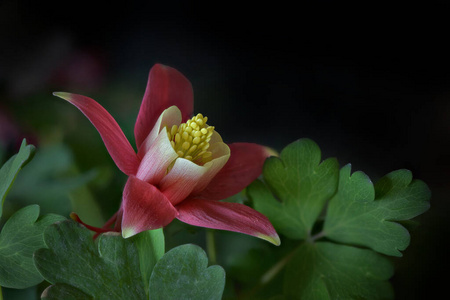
(227, 216)
(144, 208)
(154, 164)
(169, 117)
(114, 139)
(244, 166)
(215, 138)
(181, 180)
(221, 154)
(165, 87)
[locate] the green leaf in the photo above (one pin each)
(294, 191)
(328, 271)
(109, 270)
(63, 291)
(363, 214)
(150, 246)
(52, 179)
(20, 237)
(300, 185)
(11, 168)
(182, 273)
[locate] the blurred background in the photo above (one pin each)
(370, 84)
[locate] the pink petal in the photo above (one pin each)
(227, 216)
(144, 208)
(154, 164)
(115, 141)
(165, 87)
(244, 166)
(181, 180)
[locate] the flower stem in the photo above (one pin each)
(211, 246)
(111, 221)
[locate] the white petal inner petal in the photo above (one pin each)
(170, 116)
(221, 154)
(181, 180)
(154, 164)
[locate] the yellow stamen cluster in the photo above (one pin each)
(191, 139)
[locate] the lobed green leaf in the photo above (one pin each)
(183, 273)
(20, 237)
(325, 271)
(298, 185)
(295, 190)
(363, 214)
(108, 271)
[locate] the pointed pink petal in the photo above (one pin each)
(227, 216)
(244, 166)
(144, 208)
(154, 164)
(115, 141)
(166, 87)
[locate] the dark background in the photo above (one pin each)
(368, 82)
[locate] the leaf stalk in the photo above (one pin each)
(211, 246)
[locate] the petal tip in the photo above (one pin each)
(63, 95)
(274, 239)
(128, 232)
(159, 66)
(271, 152)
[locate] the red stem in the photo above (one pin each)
(97, 230)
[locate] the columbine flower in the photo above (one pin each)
(182, 167)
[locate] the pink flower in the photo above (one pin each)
(182, 167)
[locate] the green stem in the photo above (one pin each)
(313, 238)
(210, 246)
(272, 272)
(1, 294)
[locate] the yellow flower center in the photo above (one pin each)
(191, 139)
